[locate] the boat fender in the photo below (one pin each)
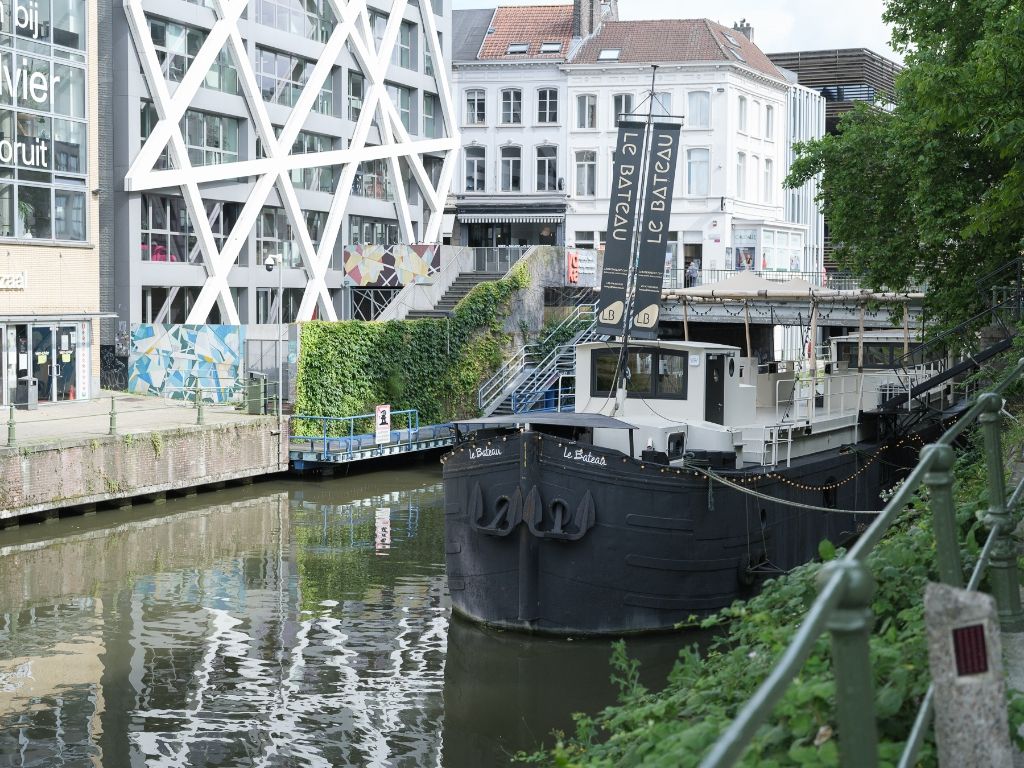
(508, 513)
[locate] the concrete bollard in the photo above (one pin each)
(965, 656)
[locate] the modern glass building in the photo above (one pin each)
(288, 128)
(49, 210)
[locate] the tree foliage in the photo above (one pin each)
(933, 190)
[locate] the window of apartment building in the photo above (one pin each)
(176, 48)
(662, 105)
(755, 174)
(428, 60)
(378, 25)
(275, 236)
(697, 164)
(547, 168)
(547, 105)
(755, 119)
(586, 173)
(584, 238)
(431, 116)
(282, 77)
(511, 169)
(210, 139)
(65, 27)
(769, 181)
(511, 106)
(312, 19)
(476, 107)
(267, 310)
(552, 47)
(622, 106)
(586, 111)
(163, 304)
(741, 174)
(698, 105)
(356, 94)
(371, 231)
(318, 179)
(403, 54)
(401, 97)
(476, 170)
(769, 122)
(372, 180)
(742, 119)
(166, 231)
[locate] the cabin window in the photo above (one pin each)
(676, 445)
(655, 373)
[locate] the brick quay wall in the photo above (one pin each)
(76, 475)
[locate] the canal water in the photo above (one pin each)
(287, 623)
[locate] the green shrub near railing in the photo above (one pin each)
(432, 366)
(774, 666)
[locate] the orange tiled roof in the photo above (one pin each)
(532, 25)
(674, 40)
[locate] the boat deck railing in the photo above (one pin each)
(843, 605)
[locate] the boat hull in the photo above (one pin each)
(546, 535)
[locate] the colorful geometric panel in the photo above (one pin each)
(390, 266)
(173, 360)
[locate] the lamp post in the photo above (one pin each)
(276, 261)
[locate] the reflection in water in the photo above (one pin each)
(293, 624)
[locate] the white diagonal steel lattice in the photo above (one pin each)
(273, 170)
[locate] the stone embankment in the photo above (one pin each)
(65, 461)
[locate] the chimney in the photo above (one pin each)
(744, 29)
(588, 15)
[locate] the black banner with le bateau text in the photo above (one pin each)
(618, 247)
(655, 212)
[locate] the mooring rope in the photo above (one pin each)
(774, 499)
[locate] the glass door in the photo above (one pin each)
(65, 362)
(42, 361)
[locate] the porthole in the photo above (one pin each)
(732, 367)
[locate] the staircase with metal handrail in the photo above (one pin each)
(526, 371)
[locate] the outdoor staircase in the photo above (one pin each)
(530, 376)
(463, 284)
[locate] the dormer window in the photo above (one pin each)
(518, 48)
(550, 47)
(739, 56)
(731, 39)
(609, 54)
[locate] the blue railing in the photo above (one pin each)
(331, 437)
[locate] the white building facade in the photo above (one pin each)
(730, 210)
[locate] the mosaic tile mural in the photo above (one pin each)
(170, 360)
(390, 266)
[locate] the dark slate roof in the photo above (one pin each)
(530, 24)
(468, 30)
(673, 41)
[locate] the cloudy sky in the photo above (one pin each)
(779, 25)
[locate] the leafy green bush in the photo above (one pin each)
(434, 366)
(676, 726)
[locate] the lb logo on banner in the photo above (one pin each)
(382, 418)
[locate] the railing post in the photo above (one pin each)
(850, 627)
(199, 405)
(939, 480)
(11, 438)
(1004, 577)
(113, 418)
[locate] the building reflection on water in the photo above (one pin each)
(280, 625)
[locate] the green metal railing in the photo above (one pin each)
(843, 605)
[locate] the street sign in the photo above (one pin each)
(382, 418)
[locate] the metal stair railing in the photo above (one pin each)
(495, 390)
(846, 587)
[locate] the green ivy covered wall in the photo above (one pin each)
(434, 366)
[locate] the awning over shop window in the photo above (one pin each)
(510, 218)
